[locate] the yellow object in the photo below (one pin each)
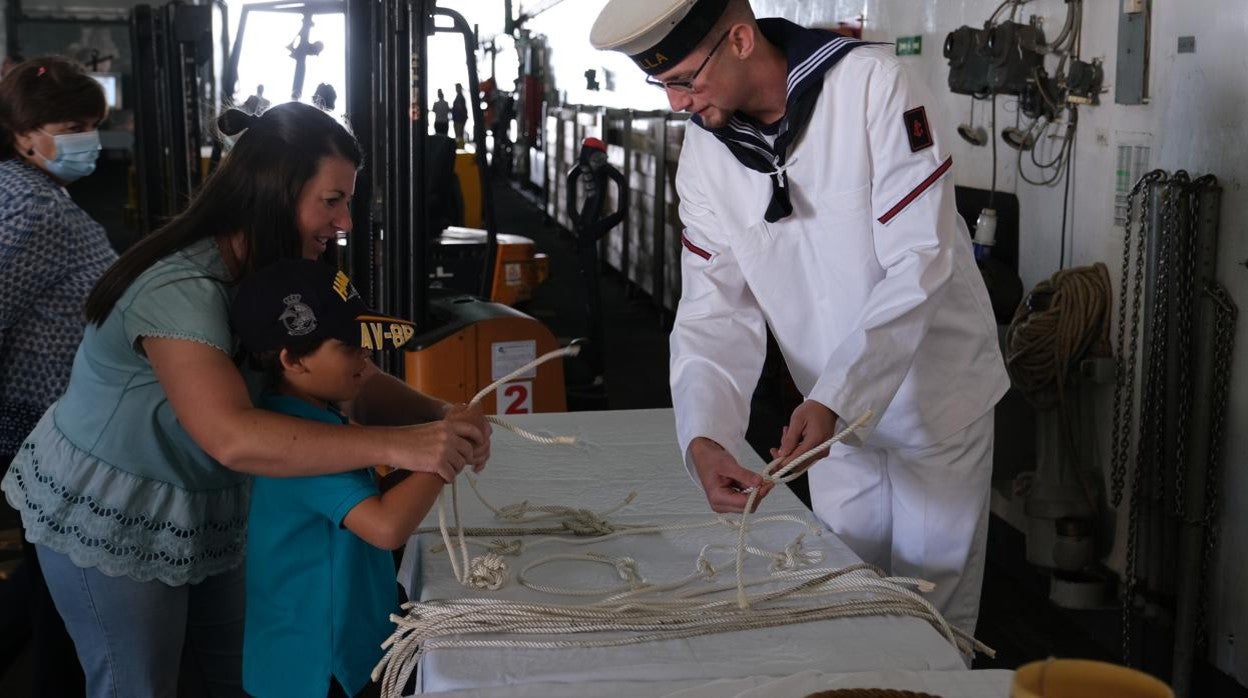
(518, 270)
(470, 188)
(457, 360)
(518, 267)
(1084, 678)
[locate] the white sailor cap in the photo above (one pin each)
(656, 34)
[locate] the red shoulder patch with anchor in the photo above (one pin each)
(917, 130)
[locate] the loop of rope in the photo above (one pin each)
(625, 569)
(789, 472)
(461, 572)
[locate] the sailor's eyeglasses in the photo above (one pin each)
(686, 85)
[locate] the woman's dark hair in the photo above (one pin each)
(255, 192)
(44, 91)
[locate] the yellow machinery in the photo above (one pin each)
(470, 188)
(477, 342)
(518, 268)
(452, 282)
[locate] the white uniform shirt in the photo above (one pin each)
(869, 286)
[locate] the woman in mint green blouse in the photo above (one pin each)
(133, 486)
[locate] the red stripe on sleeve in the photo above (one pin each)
(918, 191)
(694, 248)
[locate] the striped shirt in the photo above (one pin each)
(51, 254)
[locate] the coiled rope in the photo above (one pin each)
(1061, 321)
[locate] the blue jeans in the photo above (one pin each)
(136, 639)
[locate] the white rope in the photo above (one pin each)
(462, 573)
(625, 568)
(626, 608)
(460, 623)
(783, 475)
(571, 350)
(488, 572)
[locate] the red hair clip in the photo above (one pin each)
(42, 69)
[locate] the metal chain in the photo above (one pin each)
(1225, 318)
(1130, 283)
(1130, 581)
(1183, 244)
(1174, 291)
(1149, 456)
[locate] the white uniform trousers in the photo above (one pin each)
(915, 512)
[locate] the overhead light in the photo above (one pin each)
(1017, 138)
(975, 135)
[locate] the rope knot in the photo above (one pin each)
(583, 522)
(514, 512)
(625, 567)
(704, 567)
(506, 547)
(795, 556)
(487, 572)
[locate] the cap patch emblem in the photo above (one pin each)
(298, 318)
(652, 62)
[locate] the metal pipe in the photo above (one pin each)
(417, 254)
(360, 99)
(626, 229)
(1193, 530)
(659, 243)
(229, 81)
(460, 26)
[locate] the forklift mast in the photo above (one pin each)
(172, 49)
(387, 79)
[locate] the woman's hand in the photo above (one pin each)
(442, 448)
(474, 415)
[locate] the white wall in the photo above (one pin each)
(1194, 120)
(1195, 117)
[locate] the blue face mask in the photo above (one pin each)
(76, 154)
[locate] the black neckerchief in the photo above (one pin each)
(810, 53)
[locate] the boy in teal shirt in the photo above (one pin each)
(320, 579)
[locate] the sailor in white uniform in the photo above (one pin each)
(817, 201)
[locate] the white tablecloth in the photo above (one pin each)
(625, 451)
(989, 683)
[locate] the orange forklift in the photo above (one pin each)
(465, 339)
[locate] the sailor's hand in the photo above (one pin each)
(811, 424)
(723, 479)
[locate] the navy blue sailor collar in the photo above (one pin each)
(810, 53)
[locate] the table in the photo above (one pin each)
(986, 683)
(619, 452)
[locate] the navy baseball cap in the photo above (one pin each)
(299, 300)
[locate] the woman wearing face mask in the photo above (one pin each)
(134, 486)
(51, 254)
